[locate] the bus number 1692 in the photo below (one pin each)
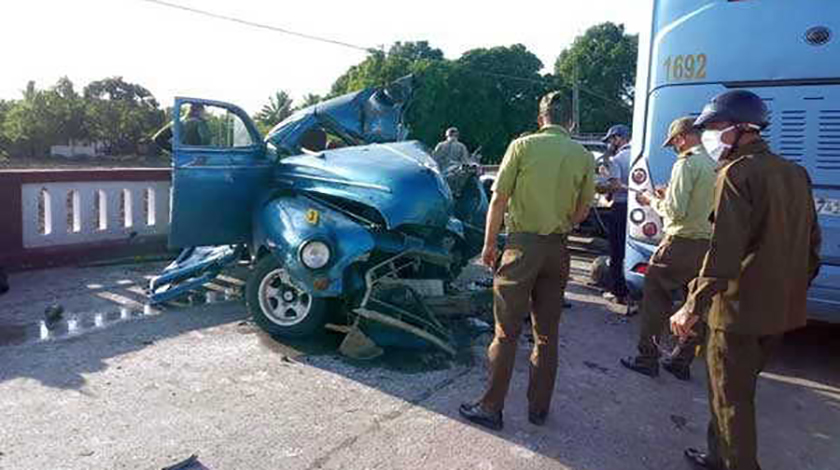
(685, 67)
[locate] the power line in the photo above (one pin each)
(259, 25)
(607, 99)
(312, 37)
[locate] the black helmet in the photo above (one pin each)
(737, 107)
(619, 130)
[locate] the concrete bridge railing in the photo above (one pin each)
(55, 217)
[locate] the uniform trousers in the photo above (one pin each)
(531, 276)
(677, 262)
(734, 362)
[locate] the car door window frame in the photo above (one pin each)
(235, 110)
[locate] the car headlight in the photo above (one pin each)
(315, 254)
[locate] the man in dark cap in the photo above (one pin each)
(614, 183)
(763, 255)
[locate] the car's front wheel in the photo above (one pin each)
(280, 306)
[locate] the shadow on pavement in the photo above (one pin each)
(64, 363)
(603, 417)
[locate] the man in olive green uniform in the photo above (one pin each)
(685, 207)
(451, 151)
(763, 255)
(195, 130)
(546, 184)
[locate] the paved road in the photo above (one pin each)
(141, 391)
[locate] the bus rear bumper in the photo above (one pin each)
(636, 254)
(824, 295)
(823, 301)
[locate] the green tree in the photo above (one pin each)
(419, 50)
(5, 107)
(377, 69)
(30, 125)
(490, 94)
(121, 114)
(70, 111)
(498, 96)
(278, 108)
(603, 62)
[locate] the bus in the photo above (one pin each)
(787, 52)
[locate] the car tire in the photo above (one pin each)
(279, 306)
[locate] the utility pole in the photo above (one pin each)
(576, 100)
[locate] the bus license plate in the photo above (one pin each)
(827, 206)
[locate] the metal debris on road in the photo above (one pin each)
(479, 326)
(596, 366)
(53, 314)
(680, 422)
(357, 345)
(191, 463)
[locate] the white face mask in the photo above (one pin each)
(713, 142)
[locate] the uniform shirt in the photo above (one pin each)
(690, 197)
(195, 132)
(547, 177)
(764, 249)
(619, 168)
(450, 152)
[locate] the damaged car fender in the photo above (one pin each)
(286, 225)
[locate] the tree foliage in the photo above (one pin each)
(33, 124)
(603, 60)
(419, 50)
(111, 111)
(121, 114)
(278, 108)
(490, 94)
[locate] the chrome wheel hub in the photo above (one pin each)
(281, 300)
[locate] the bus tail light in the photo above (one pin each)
(640, 268)
(643, 224)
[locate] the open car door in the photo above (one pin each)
(219, 170)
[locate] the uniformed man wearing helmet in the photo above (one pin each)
(763, 255)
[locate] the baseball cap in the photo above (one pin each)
(679, 126)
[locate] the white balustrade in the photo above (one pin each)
(99, 211)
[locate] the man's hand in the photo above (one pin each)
(644, 198)
(682, 324)
(659, 192)
(603, 171)
(489, 255)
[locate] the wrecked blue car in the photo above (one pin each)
(334, 208)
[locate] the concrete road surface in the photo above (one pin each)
(120, 388)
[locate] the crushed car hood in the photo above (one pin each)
(375, 176)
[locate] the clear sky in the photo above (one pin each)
(173, 52)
